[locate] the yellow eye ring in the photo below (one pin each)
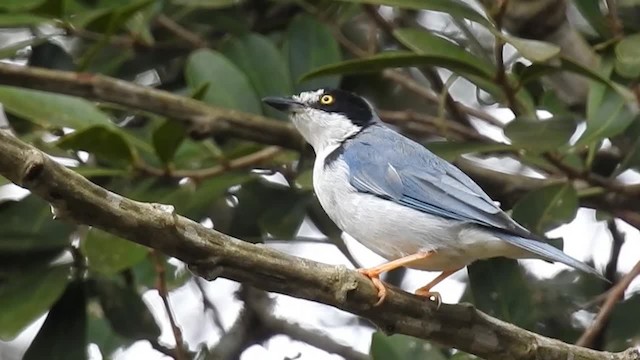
(326, 100)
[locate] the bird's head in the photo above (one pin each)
(326, 117)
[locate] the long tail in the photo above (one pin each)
(548, 252)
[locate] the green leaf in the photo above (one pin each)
(63, 336)
(28, 225)
(310, 45)
(263, 64)
(451, 150)
(577, 68)
(167, 138)
(621, 331)
(228, 86)
(47, 109)
(99, 332)
(21, 20)
(398, 346)
(500, 289)
(590, 9)
(27, 296)
(608, 117)
(101, 141)
(127, 314)
(207, 4)
(628, 56)
(540, 135)
(543, 209)
(534, 50)
(109, 254)
(454, 8)
(393, 59)
(19, 5)
(426, 43)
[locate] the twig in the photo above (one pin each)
(615, 294)
(617, 240)
(250, 160)
(211, 253)
(208, 305)
(430, 73)
(161, 286)
(614, 20)
(191, 38)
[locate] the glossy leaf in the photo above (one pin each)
(543, 209)
(109, 254)
(127, 314)
(540, 135)
(608, 118)
(101, 141)
(167, 138)
(28, 225)
(228, 86)
(310, 45)
(500, 289)
(22, 304)
(385, 347)
(454, 8)
(628, 56)
(534, 50)
(393, 59)
(591, 11)
(48, 109)
(63, 336)
(263, 64)
(426, 43)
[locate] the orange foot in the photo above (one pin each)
(375, 279)
(374, 272)
(434, 296)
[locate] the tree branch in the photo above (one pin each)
(212, 254)
(614, 295)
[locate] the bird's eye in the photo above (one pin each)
(326, 100)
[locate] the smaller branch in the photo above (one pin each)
(162, 349)
(429, 73)
(614, 20)
(161, 286)
(615, 294)
(443, 128)
(313, 338)
(255, 158)
(617, 240)
(208, 305)
(193, 39)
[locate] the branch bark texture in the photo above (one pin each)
(213, 254)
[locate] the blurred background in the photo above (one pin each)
(535, 100)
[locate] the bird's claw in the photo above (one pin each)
(375, 279)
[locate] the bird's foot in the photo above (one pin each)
(433, 296)
(375, 279)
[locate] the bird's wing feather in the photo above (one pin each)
(384, 163)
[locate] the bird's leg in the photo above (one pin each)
(426, 290)
(374, 272)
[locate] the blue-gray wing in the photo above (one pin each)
(386, 164)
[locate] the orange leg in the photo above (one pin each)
(426, 290)
(374, 272)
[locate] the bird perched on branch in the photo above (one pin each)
(399, 199)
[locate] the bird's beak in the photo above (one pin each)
(282, 103)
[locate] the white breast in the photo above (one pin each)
(393, 231)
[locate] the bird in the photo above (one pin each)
(399, 199)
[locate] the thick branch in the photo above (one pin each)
(214, 254)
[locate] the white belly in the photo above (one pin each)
(394, 231)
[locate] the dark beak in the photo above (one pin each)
(282, 103)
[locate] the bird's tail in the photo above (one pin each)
(548, 252)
